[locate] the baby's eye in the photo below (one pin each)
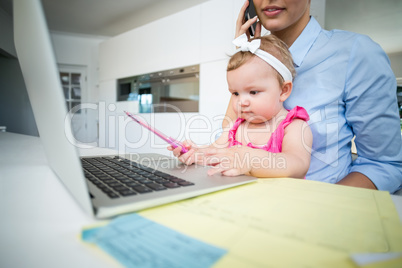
(235, 93)
(253, 92)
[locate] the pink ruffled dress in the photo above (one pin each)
(274, 145)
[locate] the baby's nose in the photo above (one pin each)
(244, 102)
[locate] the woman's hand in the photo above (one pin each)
(242, 25)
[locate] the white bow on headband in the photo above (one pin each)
(254, 47)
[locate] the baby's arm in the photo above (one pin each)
(294, 160)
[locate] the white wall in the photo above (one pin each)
(381, 20)
(189, 37)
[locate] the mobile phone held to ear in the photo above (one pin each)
(249, 14)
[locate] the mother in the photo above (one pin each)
(345, 82)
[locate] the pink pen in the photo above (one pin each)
(169, 140)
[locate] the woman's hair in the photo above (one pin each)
(271, 44)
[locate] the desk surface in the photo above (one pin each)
(41, 222)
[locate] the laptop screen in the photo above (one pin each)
(38, 65)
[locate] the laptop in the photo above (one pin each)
(162, 180)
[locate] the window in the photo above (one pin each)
(72, 83)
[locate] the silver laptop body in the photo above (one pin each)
(38, 65)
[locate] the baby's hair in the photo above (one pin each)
(271, 44)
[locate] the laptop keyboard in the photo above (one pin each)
(119, 177)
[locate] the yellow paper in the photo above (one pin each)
(288, 223)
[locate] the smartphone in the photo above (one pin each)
(164, 137)
(249, 14)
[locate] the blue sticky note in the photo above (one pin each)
(138, 242)
(89, 235)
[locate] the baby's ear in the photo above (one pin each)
(286, 90)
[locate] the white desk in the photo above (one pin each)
(40, 222)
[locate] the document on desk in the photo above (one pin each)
(138, 242)
(288, 223)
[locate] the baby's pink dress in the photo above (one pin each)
(274, 145)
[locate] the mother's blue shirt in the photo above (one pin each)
(345, 82)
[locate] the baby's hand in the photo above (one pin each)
(186, 158)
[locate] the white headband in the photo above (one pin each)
(254, 47)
